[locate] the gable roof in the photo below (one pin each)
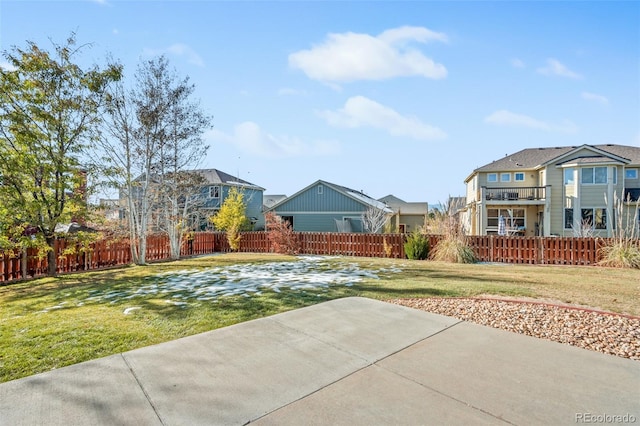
(212, 177)
(391, 199)
(533, 158)
(405, 207)
(269, 200)
(358, 196)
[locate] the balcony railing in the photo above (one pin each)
(631, 195)
(524, 193)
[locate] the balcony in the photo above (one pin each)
(511, 194)
(631, 195)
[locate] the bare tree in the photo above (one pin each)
(185, 148)
(153, 138)
(374, 219)
(122, 162)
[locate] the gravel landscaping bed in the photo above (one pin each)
(598, 331)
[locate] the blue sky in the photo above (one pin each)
(403, 98)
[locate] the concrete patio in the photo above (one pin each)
(348, 361)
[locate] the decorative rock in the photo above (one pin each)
(608, 333)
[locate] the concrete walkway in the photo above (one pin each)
(350, 361)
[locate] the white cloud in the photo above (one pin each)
(508, 118)
(359, 111)
(250, 138)
(351, 56)
(593, 97)
(517, 63)
(177, 49)
(554, 67)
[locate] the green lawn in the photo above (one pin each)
(53, 322)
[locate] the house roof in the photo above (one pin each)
(359, 196)
(533, 158)
(598, 159)
(215, 176)
(405, 207)
(391, 199)
(271, 199)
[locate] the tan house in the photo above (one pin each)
(562, 191)
(407, 216)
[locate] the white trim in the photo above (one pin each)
(489, 179)
(557, 159)
(582, 169)
(635, 174)
(503, 174)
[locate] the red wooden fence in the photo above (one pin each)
(109, 253)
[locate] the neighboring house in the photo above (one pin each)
(269, 200)
(563, 191)
(407, 217)
(216, 187)
(326, 207)
(112, 209)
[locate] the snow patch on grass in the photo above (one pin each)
(196, 285)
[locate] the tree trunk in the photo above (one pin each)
(52, 265)
(23, 263)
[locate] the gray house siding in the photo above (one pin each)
(252, 199)
(321, 198)
(322, 208)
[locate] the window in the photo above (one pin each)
(492, 177)
(568, 218)
(214, 192)
(505, 177)
(596, 218)
(594, 175)
(320, 189)
(631, 174)
(288, 220)
(568, 177)
(518, 177)
(514, 218)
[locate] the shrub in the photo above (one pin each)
(454, 249)
(281, 236)
(231, 217)
(417, 246)
(386, 247)
(620, 254)
(453, 246)
(623, 250)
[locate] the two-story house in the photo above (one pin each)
(212, 189)
(553, 191)
(216, 187)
